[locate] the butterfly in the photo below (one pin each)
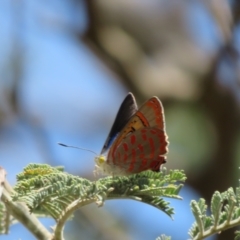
(137, 140)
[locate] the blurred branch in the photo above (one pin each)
(20, 212)
(144, 51)
(221, 12)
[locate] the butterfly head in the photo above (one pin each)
(100, 160)
(101, 165)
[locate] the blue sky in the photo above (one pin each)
(69, 96)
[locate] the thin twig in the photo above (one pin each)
(21, 213)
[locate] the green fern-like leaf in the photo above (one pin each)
(225, 214)
(50, 191)
(199, 210)
(216, 206)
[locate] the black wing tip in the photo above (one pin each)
(129, 96)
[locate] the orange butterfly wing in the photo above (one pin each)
(150, 117)
(140, 151)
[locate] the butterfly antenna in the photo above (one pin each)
(64, 145)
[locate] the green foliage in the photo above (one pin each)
(50, 191)
(225, 213)
(163, 237)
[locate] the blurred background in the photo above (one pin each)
(66, 66)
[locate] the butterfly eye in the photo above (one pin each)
(101, 159)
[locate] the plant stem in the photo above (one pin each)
(21, 213)
(67, 213)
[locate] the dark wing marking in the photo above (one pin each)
(127, 109)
